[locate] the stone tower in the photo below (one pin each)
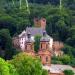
(29, 45)
(44, 51)
(43, 23)
(40, 23)
(36, 22)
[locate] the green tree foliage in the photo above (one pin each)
(54, 2)
(69, 3)
(68, 72)
(6, 68)
(6, 44)
(27, 65)
(72, 61)
(71, 39)
(8, 22)
(65, 59)
(37, 42)
(69, 50)
(60, 23)
(45, 72)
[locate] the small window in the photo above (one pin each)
(46, 59)
(22, 42)
(43, 46)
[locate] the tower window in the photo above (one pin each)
(28, 47)
(43, 46)
(46, 59)
(22, 42)
(46, 46)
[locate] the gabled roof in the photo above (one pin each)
(23, 34)
(35, 31)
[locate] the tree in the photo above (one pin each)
(8, 22)
(71, 39)
(66, 59)
(6, 44)
(26, 64)
(54, 2)
(68, 72)
(69, 50)
(69, 4)
(63, 29)
(45, 72)
(37, 42)
(72, 62)
(6, 68)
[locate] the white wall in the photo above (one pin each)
(22, 41)
(51, 42)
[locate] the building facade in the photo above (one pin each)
(45, 54)
(47, 48)
(40, 26)
(44, 51)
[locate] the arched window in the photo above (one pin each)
(43, 46)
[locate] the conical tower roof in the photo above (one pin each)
(29, 39)
(45, 37)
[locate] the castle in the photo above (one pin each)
(47, 48)
(38, 29)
